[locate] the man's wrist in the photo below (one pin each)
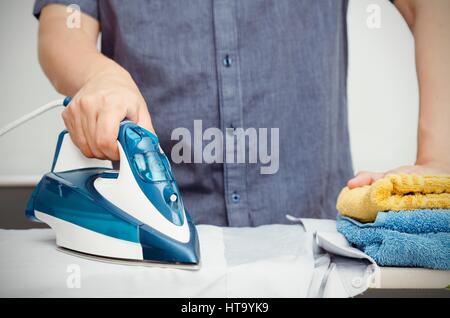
(105, 67)
(434, 163)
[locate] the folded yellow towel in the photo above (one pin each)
(395, 193)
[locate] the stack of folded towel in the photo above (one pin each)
(400, 220)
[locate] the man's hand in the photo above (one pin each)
(103, 92)
(93, 117)
(367, 178)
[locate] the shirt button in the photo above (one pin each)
(227, 61)
(235, 197)
(357, 282)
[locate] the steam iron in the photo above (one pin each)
(132, 216)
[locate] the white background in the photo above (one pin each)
(382, 96)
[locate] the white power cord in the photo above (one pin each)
(33, 114)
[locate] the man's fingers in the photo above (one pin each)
(69, 126)
(80, 139)
(361, 179)
(75, 129)
(89, 123)
(364, 178)
(67, 121)
(144, 119)
(139, 114)
(108, 124)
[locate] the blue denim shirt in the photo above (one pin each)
(241, 63)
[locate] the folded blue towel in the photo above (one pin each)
(418, 238)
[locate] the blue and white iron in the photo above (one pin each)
(134, 214)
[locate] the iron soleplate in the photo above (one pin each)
(129, 262)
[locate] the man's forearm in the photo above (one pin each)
(103, 92)
(430, 23)
(69, 56)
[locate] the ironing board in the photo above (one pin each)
(268, 261)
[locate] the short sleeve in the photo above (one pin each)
(87, 6)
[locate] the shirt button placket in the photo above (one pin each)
(230, 107)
